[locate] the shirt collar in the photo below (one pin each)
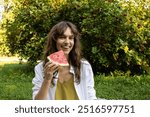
(72, 70)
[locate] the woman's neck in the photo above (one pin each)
(67, 57)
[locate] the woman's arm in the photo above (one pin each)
(41, 85)
(43, 92)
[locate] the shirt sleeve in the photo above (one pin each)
(37, 80)
(91, 93)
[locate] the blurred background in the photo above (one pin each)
(115, 40)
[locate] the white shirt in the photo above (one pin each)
(85, 89)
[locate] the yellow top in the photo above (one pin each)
(66, 91)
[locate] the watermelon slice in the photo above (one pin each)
(58, 58)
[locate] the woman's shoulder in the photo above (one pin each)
(39, 65)
(84, 62)
(86, 67)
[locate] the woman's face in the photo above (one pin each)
(65, 42)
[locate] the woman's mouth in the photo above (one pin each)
(65, 47)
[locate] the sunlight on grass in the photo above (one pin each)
(10, 88)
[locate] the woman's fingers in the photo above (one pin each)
(49, 69)
(55, 69)
(47, 64)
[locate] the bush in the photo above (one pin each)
(115, 34)
(4, 51)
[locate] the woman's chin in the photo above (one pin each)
(66, 52)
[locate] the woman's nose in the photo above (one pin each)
(67, 40)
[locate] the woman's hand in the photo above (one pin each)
(49, 69)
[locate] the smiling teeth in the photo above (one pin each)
(66, 47)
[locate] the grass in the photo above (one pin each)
(16, 84)
(15, 81)
(122, 87)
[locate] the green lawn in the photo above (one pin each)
(16, 84)
(15, 81)
(122, 87)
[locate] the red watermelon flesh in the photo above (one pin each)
(58, 58)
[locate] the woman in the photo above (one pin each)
(73, 82)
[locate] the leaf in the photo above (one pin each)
(126, 49)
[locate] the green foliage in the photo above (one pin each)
(117, 36)
(4, 51)
(115, 33)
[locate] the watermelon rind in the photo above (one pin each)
(57, 63)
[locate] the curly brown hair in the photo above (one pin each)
(74, 55)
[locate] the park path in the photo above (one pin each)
(10, 59)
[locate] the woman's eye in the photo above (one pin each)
(71, 38)
(62, 37)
